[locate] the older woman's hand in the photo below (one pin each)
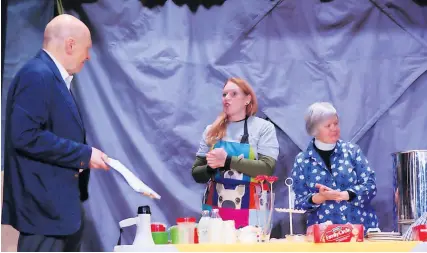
(216, 158)
(326, 193)
(322, 188)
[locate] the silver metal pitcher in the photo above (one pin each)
(410, 187)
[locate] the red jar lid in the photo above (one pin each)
(185, 219)
(158, 227)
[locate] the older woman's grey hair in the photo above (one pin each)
(316, 114)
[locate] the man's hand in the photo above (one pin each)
(216, 158)
(97, 160)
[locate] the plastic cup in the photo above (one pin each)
(174, 236)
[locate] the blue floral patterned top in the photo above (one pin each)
(350, 171)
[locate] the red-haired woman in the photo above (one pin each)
(235, 148)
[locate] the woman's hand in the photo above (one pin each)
(326, 193)
(216, 158)
(344, 196)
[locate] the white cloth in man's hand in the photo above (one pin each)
(131, 179)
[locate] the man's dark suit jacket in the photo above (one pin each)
(44, 150)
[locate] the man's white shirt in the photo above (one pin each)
(64, 74)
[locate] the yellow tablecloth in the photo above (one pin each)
(306, 247)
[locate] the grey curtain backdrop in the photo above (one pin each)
(155, 77)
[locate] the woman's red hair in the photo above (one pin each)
(219, 126)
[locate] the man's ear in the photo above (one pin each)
(70, 43)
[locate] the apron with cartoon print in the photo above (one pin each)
(232, 192)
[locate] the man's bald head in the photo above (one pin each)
(62, 27)
(69, 40)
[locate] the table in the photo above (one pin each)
(395, 246)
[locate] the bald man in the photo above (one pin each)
(47, 161)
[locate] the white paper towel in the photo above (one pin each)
(131, 179)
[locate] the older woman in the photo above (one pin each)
(234, 149)
(332, 178)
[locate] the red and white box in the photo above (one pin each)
(419, 233)
(323, 233)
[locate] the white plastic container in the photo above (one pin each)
(186, 227)
(230, 235)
